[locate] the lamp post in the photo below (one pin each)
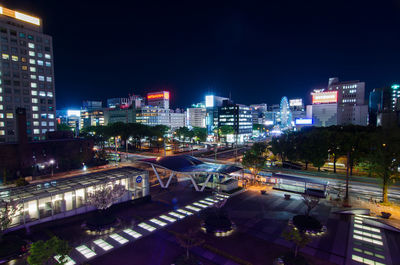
(52, 165)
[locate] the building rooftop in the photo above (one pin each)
(189, 164)
(44, 189)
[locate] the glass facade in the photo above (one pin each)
(52, 200)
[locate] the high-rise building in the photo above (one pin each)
(258, 113)
(113, 115)
(196, 116)
(91, 118)
(352, 108)
(341, 103)
(158, 99)
(118, 103)
(239, 118)
(27, 76)
(384, 106)
(212, 103)
(152, 116)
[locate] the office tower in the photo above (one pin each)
(384, 106)
(158, 99)
(27, 76)
(196, 116)
(239, 118)
(212, 103)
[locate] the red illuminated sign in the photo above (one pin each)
(325, 97)
(160, 95)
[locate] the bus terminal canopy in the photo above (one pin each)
(188, 165)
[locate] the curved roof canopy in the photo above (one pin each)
(189, 164)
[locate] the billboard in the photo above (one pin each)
(295, 102)
(325, 97)
(158, 95)
(303, 121)
(73, 113)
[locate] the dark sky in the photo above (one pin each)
(258, 51)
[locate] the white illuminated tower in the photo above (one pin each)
(27, 75)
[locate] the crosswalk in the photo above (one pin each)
(89, 250)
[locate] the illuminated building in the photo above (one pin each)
(117, 103)
(158, 99)
(91, 118)
(352, 108)
(239, 118)
(341, 103)
(258, 113)
(152, 116)
(212, 103)
(47, 201)
(384, 106)
(27, 75)
(92, 105)
(297, 108)
(196, 116)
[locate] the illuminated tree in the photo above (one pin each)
(189, 240)
(8, 210)
(255, 158)
(311, 202)
(299, 238)
(106, 195)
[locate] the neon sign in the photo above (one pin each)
(159, 95)
(20, 16)
(304, 121)
(324, 97)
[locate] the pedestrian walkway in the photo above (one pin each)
(104, 244)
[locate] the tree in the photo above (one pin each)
(384, 158)
(189, 240)
(104, 196)
(255, 158)
(335, 142)
(8, 210)
(311, 202)
(224, 130)
(43, 252)
(63, 127)
(284, 146)
(200, 134)
(318, 144)
(299, 238)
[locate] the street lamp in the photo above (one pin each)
(52, 164)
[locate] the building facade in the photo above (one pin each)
(91, 118)
(239, 118)
(113, 115)
(196, 117)
(27, 76)
(158, 99)
(212, 104)
(153, 116)
(384, 106)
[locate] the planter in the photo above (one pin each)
(287, 196)
(386, 215)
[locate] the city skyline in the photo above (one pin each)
(263, 50)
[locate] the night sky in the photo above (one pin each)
(257, 51)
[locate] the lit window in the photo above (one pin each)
(33, 85)
(48, 64)
(14, 58)
(31, 45)
(41, 78)
(9, 115)
(51, 123)
(31, 53)
(51, 116)
(44, 130)
(34, 100)
(35, 116)
(50, 94)
(43, 123)
(40, 62)
(5, 56)
(35, 108)
(32, 69)
(1, 123)
(48, 79)
(1, 98)
(40, 55)
(23, 59)
(2, 132)
(33, 76)
(32, 61)
(42, 93)
(47, 56)
(35, 123)
(1, 108)
(24, 67)
(36, 131)
(34, 93)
